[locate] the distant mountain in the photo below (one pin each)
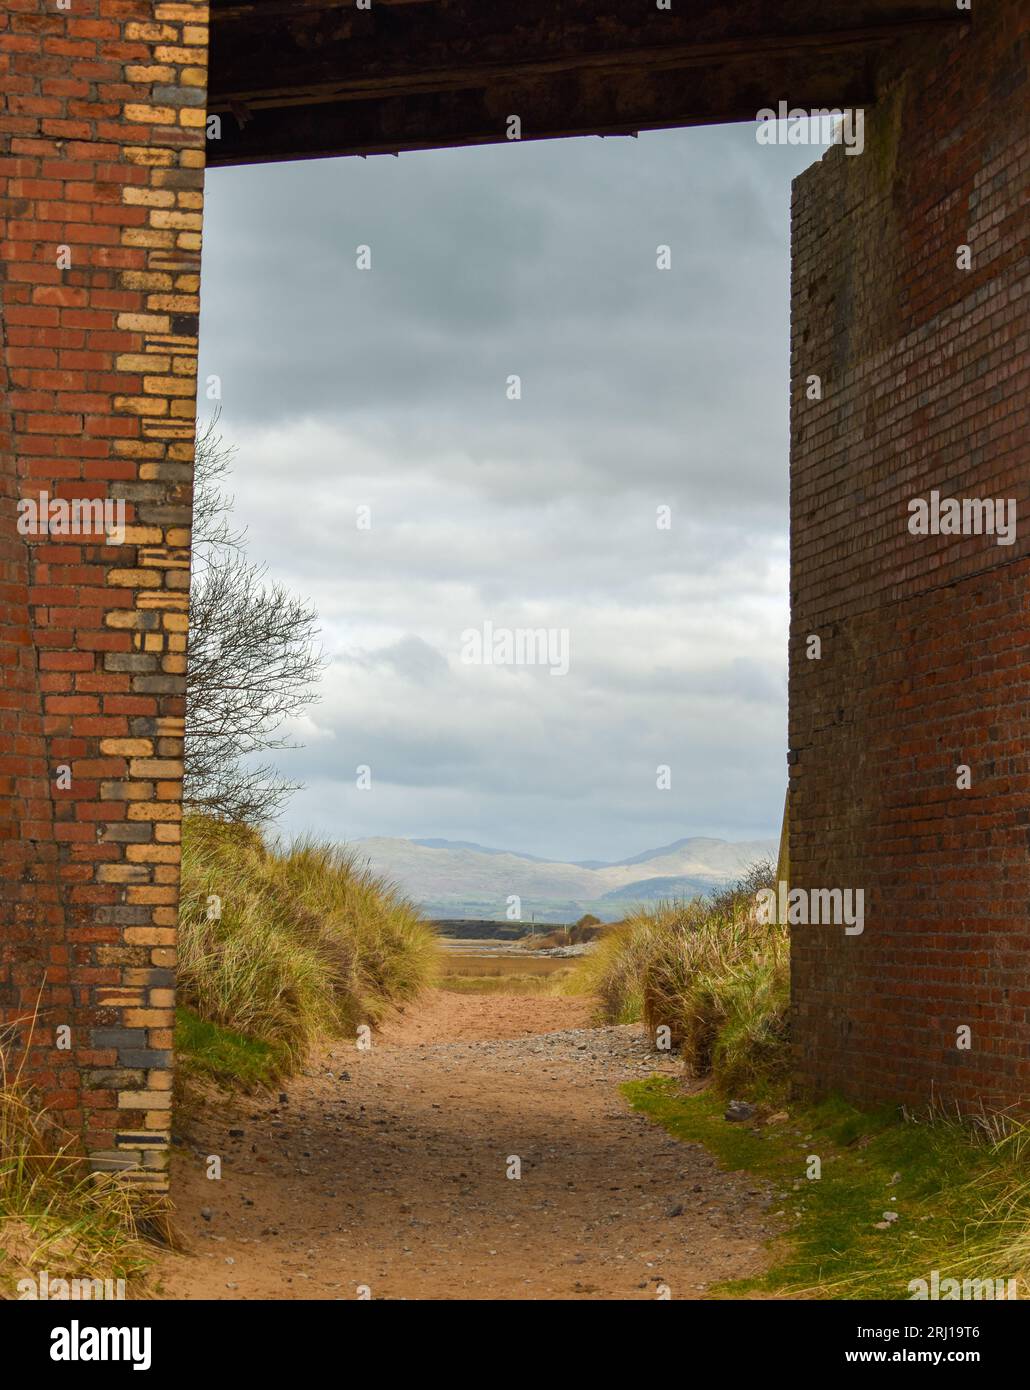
(652, 889)
(460, 879)
(480, 849)
(710, 856)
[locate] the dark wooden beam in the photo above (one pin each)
(308, 78)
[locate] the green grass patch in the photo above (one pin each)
(209, 1052)
(961, 1202)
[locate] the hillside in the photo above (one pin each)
(459, 879)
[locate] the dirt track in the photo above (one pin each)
(388, 1169)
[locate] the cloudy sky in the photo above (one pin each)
(641, 389)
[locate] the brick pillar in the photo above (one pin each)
(925, 661)
(101, 194)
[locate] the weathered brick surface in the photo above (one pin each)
(98, 371)
(925, 642)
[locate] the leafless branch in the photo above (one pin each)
(253, 658)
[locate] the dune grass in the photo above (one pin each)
(57, 1215)
(282, 946)
(707, 979)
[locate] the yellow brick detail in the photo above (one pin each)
(153, 854)
(121, 618)
(144, 154)
(137, 449)
(175, 304)
(149, 72)
(151, 33)
(132, 579)
(188, 221)
(142, 535)
(127, 747)
(168, 53)
(169, 385)
(146, 236)
(141, 405)
(184, 12)
(148, 197)
(150, 936)
(140, 361)
(122, 873)
(141, 895)
(144, 1100)
(155, 767)
(149, 115)
(150, 810)
(145, 323)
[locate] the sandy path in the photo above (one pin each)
(387, 1169)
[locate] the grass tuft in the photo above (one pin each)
(709, 975)
(283, 946)
(57, 1215)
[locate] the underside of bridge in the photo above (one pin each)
(908, 374)
(302, 78)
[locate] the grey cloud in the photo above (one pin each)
(411, 658)
(640, 387)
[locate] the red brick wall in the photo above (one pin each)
(925, 639)
(102, 153)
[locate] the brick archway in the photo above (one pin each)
(924, 367)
